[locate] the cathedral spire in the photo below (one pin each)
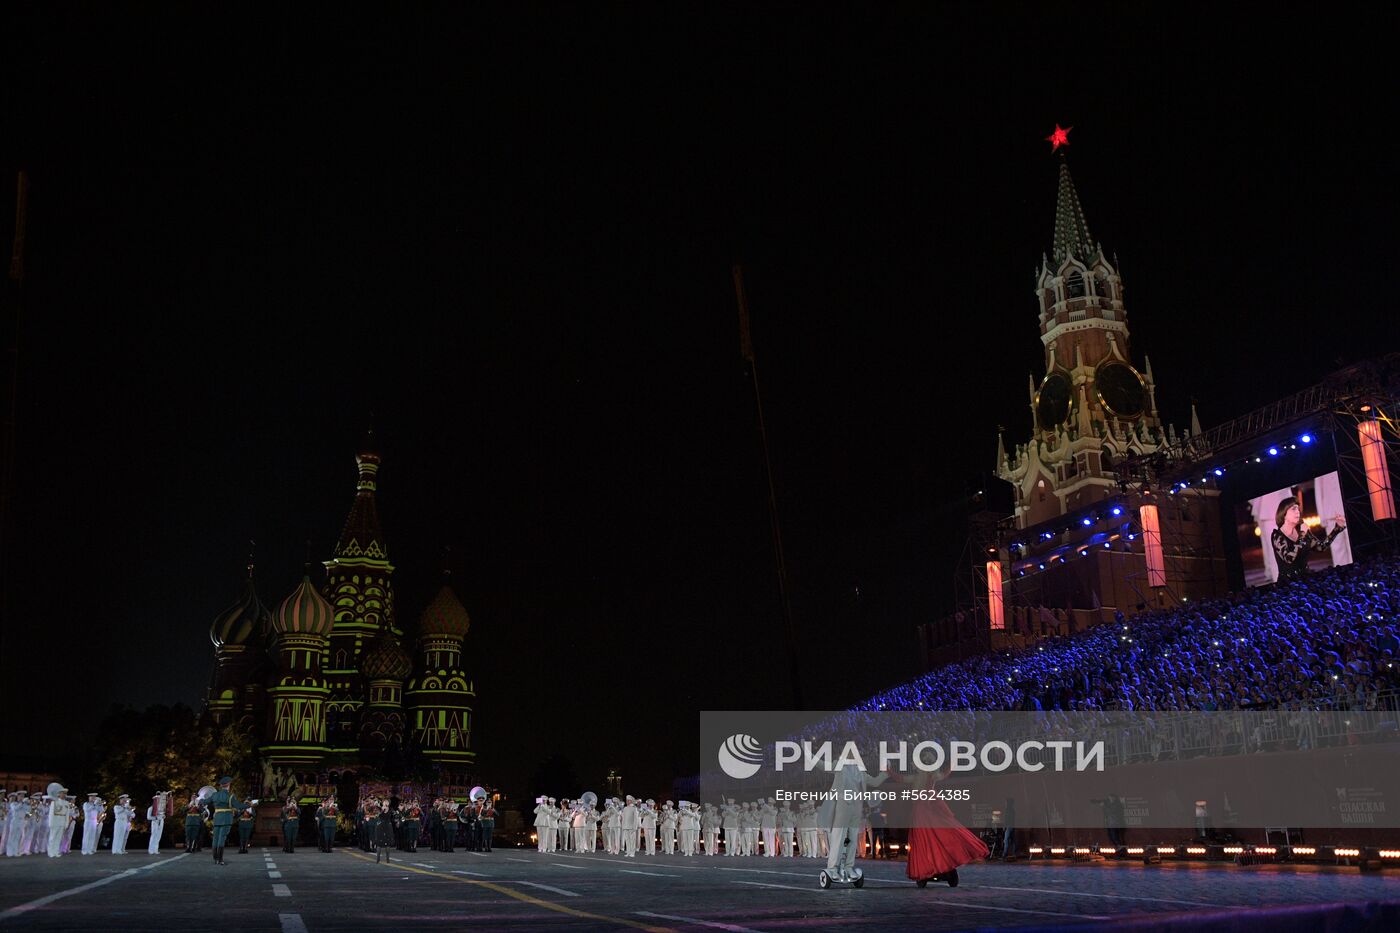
(361, 540)
(1071, 229)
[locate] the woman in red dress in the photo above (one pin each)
(938, 843)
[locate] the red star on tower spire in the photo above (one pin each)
(1059, 138)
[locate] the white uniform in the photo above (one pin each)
(730, 822)
(768, 823)
(544, 825)
(92, 825)
(122, 815)
(668, 829)
(787, 825)
(563, 824)
(157, 821)
(17, 815)
(709, 826)
(630, 819)
(648, 827)
(60, 822)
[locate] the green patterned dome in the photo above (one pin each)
(445, 615)
(236, 624)
(386, 659)
(305, 612)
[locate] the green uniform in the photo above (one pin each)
(325, 819)
(412, 827)
(291, 824)
(194, 826)
(245, 829)
(225, 805)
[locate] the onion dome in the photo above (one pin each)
(237, 624)
(305, 612)
(445, 615)
(386, 659)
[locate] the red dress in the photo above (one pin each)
(938, 843)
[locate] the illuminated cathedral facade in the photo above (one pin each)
(326, 680)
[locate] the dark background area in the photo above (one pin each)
(507, 239)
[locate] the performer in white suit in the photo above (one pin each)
(94, 811)
(122, 815)
(16, 816)
(844, 816)
(647, 830)
(155, 814)
(768, 823)
(544, 824)
(631, 823)
(60, 819)
(709, 827)
(787, 826)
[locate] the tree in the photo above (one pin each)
(165, 748)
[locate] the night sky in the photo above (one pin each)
(506, 240)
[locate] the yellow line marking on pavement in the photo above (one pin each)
(538, 902)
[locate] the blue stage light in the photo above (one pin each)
(1086, 521)
(1042, 566)
(1219, 472)
(1117, 510)
(1306, 438)
(1273, 451)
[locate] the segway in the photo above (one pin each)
(856, 880)
(951, 877)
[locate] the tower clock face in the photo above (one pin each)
(1052, 400)
(1120, 389)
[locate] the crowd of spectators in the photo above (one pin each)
(1327, 641)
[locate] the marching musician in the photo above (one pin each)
(155, 815)
(487, 823)
(449, 825)
(94, 812)
(412, 825)
(122, 815)
(245, 827)
(60, 819)
(326, 816)
(291, 823)
(195, 812)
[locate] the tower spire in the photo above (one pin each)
(1071, 229)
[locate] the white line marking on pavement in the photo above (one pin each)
(564, 865)
(274, 874)
(546, 887)
(423, 865)
(292, 923)
(509, 859)
(1126, 897)
(731, 927)
(790, 887)
(281, 890)
(477, 854)
(24, 908)
(477, 874)
(654, 874)
(271, 864)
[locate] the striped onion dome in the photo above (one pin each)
(386, 659)
(305, 612)
(445, 615)
(237, 624)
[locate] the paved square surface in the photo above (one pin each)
(520, 889)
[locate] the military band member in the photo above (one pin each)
(326, 815)
(94, 811)
(709, 825)
(412, 825)
(291, 824)
(646, 830)
(122, 815)
(225, 805)
(195, 812)
(245, 827)
(60, 819)
(155, 815)
(487, 823)
(449, 825)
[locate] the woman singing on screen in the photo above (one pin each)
(1293, 541)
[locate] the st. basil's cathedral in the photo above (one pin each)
(325, 682)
